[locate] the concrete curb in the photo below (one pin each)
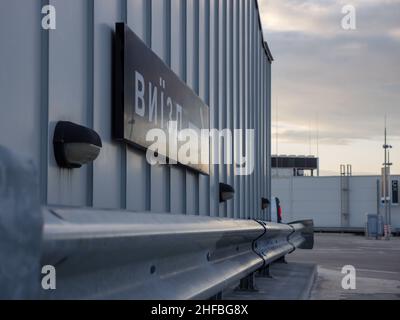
(306, 295)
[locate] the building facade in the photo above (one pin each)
(335, 202)
(66, 74)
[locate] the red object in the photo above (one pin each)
(280, 213)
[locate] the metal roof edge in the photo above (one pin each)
(264, 42)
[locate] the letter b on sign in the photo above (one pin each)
(349, 280)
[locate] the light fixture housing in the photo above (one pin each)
(226, 192)
(265, 203)
(75, 145)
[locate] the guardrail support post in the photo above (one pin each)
(217, 297)
(248, 283)
(265, 272)
(281, 260)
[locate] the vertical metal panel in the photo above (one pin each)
(262, 131)
(204, 76)
(90, 92)
(259, 128)
(263, 134)
(20, 78)
(68, 94)
(254, 111)
(222, 94)
(242, 95)
(252, 103)
(252, 98)
(248, 99)
(260, 124)
(214, 98)
(235, 92)
(178, 65)
(107, 171)
(138, 18)
(254, 114)
(247, 192)
(267, 141)
(256, 118)
(159, 194)
(137, 169)
(229, 97)
(44, 112)
(192, 69)
(269, 99)
(268, 135)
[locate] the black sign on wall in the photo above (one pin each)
(294, 162)
(149, 95)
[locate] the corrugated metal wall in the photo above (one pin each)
(216, 47)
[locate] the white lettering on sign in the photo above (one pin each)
(156, 102)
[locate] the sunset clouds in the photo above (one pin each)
(348, 79)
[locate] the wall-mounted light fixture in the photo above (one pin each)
(226, 192)
(264, 203)
(75, 145)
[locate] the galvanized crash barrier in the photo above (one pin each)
(303, 234)
(108, 254)
(100, 254)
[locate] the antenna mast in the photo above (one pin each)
(277, 127)
(317, 135)
(386, 187)
(309, 138)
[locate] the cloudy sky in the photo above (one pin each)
(343, 80)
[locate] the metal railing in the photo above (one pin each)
(109, 254)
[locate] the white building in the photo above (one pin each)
(339, 202)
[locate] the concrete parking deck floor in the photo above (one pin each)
(377, 264)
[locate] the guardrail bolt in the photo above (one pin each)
(208, 256)
(152, 269)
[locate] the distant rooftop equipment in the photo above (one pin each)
(299, 164)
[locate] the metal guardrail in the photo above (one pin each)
(108, 254)
(100, 254)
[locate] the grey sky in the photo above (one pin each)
(346, 79)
